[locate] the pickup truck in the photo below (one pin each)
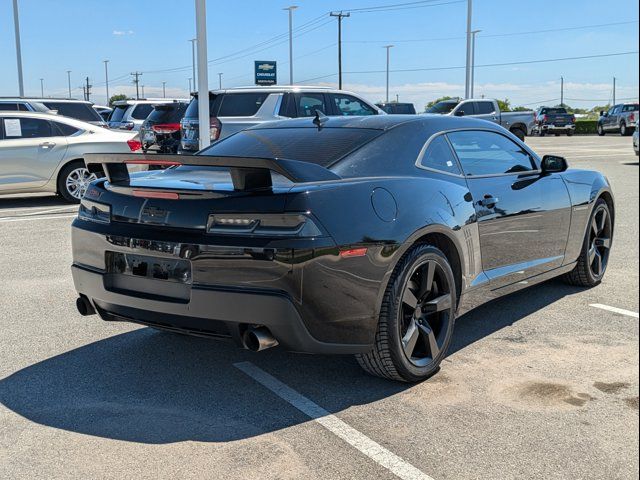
(519, 123)
(620, 118)
(555, 120)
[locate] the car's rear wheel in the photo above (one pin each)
(416, 318)
(624, 131)
(600, 130)
(73, 180)
(518, 132)
(594, 257)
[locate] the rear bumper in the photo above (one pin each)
(559, 128)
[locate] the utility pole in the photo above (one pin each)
(193, 59)
(42, 88)
(190, 88)
(473, 60)
(397, 98)
(291, 9)
(467, 85)
(339, 16)
(220, 80)
(562, 91)
(164, 92)
(204, 139)
(106, 78)
(388, 47)
(16, 25)
(614, 90)
(69, 81)
(136, 80)
(142, 87)
(88, 91)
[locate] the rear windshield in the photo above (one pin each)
(241, 104)
(192, 109)
(554, 111)
(399, 108)
(630, 108)
(170, 113)
(141, 111)
(442, 107)
(118, 113)
(80, 111)
(322, 147)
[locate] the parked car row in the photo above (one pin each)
(621, 118)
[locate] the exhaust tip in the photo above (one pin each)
(84, 306)
(258, 338)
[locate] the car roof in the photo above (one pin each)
(50, 116)
(42, 100)
(278, 88)
(151, 101)
(382, 122)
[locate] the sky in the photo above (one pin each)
(152, 37)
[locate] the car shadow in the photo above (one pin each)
(153, 387)
(32, 201)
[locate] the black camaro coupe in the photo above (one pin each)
(360, 235)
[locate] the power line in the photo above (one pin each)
(402, 6)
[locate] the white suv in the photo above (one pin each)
(131, 114)
(236, 109)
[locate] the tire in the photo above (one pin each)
(570, 133)
(403, 328)
(542, 132)
(595, 248)
(623, 129)
(600, 130)
(518, 132)
(73, 180)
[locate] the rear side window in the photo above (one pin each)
(484, 108)
(489, 153)
(630, 108)
(64, 129)
(15, 128)
(308, 103)
(241, 104)
(439, 156)
(322, 147)
(466, 108)
(141, 111)
(348, 105)
(118, 113)
(79, 111)
(169, 113)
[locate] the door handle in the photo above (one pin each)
(489, 201)
(48, 144)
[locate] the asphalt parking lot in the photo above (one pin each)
(541, 384)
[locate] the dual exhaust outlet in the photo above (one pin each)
(255, 339)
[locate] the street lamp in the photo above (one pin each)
(16, 25)
(42, 88)
(388, 47)
(473, 59)
(106, 78)
(193, 59)
(69, 81)
(164, 93)
(220, 80)
(467, 79)
(291, 9)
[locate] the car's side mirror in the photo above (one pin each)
(459, 113)
(601, 113)
(554, 164)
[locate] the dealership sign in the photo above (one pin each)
(266, 73)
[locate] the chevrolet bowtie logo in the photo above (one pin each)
(154, 212)
(266, 66)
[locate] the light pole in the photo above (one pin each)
(164, 93)
(69, 81)
(106, 78)
(203, 74)
(467, 84)
(388, 47)
(190, 88)
(340, 16)
(220, 80)
(291, 9)
(16, 25)
(562, 91)
(142, 88)
(193, 59)
(473, 60)
(614, 90)
(42, 88)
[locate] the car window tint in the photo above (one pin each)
(80, 111)
(64, 129)
(467, 108)
(141, 111)
(348, 105)
(308, 103)
(167, 113)
(489, 153)
(630, 108)
(8, 107)
(241, 104)
(118, 113)
(483, 108)
(26, 128)
(439, 156)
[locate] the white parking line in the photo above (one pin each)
(353, 437)
(621, 311)
(24, 219)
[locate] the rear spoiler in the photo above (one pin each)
(246, 173)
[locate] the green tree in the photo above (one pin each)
(115, 98)
(520, 109)
(505, 105)
(437, 100)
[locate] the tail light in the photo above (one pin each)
(544, 118)
(134, 145)
(573, 119)
(166, 127)
(269, 224)
(214, 128)
(632, 117)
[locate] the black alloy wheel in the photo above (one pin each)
(594, 258)
(416, 319)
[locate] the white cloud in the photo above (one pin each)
(121, 33)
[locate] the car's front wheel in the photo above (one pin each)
(416, 318)
(600, 130)
(73, 180)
